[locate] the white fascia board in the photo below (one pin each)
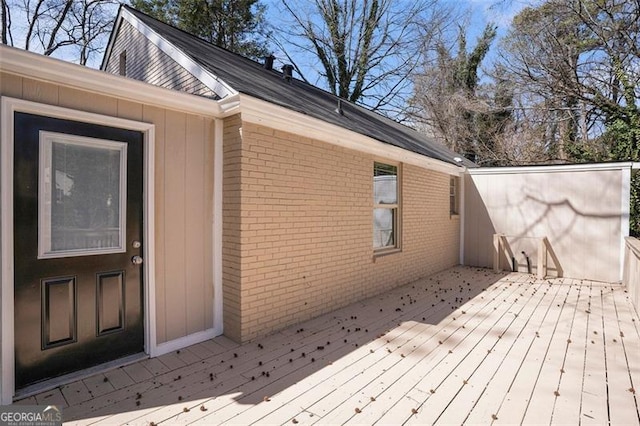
(214, 83)
(549, 169)
(43, 68)
(266, 114)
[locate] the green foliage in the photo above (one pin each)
(159, 9)
(236, 25)
(467, 118)
(634, 213)
(624, 140)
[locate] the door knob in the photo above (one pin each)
(136, 260)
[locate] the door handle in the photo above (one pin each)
(136, 260)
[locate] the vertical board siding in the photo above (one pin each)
(578, 211)
(208, 218)
(83, 101)
(146, 62)
(631, 278)
(306, 226)
(195, 224)
(11, 85)
(183, 199)
(39, 91)
(175, 225)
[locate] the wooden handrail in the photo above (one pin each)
(501, 245)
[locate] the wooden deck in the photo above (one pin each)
(464, 346)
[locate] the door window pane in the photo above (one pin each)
(82, 196)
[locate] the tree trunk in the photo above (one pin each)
(5, 21)
(52, 45)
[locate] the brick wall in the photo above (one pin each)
(300, 229)
(231, 254)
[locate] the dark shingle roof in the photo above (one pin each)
(249, 77)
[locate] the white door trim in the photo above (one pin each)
(8, 107)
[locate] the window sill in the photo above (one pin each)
(454, 215)
(385, 252)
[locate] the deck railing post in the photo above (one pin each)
(497, 250)
(542, 259)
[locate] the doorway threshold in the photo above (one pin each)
(46, 385)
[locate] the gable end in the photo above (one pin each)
(146, 62)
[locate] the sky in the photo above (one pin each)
(480, 13)
(500, 12)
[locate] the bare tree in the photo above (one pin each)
(6, 24)
(362, 51)
(449, 101)
(73, 29)
(578, 61)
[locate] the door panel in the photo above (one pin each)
(77, 211)
(59, 313)
(110, 302)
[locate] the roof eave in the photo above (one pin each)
(258, 111)
(51, 70)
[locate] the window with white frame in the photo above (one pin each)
(453, 195)
(386, 206)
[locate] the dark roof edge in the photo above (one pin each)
(440, 152)
(112, 37)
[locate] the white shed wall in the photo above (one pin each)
(582, 210)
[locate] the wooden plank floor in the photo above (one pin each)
(465, 346)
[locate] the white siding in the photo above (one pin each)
(146, 62)
(579, 211)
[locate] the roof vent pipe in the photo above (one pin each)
(287, 72)
(339, 110)
(268, 62)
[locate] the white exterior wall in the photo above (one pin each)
(146, 62)
(583, 210)
(632, 270)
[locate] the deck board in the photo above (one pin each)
(517, 340)
(446, 374)
(622, 403)
(391, 384)
(566, 408)
(488, 371)
(546, 389)
(594, 387)
(465, 346)
(536, 339)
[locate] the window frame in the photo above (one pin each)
(47, 194)
(454, 196)
(395, 207)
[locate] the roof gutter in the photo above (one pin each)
(264, 113)
(553, 168)
(229, 105)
